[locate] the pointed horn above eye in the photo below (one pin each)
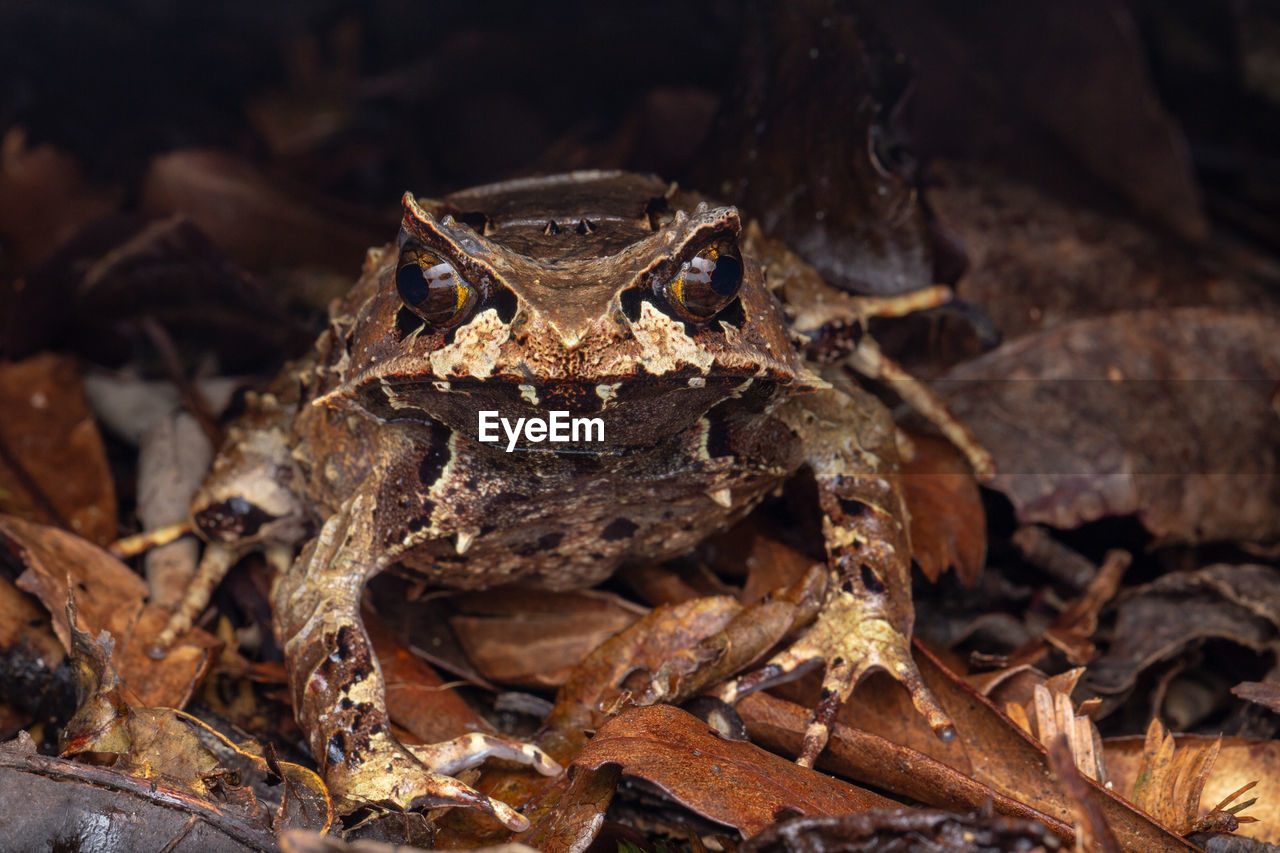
(409, 203)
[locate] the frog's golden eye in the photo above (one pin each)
(430, 287)
(706, 283)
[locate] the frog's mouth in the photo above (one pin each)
(633, 411)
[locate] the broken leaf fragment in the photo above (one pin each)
(177, 751)
(109, 596)
(1171, 781)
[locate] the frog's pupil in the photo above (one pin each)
(726, 275)
(412, 284)
(434, 293)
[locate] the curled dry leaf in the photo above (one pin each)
(1264, 693)
(643, 647)
(730, 782)
(109, 597)
(1166, 414)
(739, 644)
(1238, 603)
(53, 467)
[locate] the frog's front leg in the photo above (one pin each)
(865, 622)
(339, 694)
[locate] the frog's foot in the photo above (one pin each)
(380, 771)
(852, 639)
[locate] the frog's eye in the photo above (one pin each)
(430, 287)
(706, 283)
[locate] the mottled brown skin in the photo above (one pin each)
(365, 455)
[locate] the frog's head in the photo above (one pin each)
(582, 293)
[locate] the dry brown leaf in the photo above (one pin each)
(831, 199)
(770, 564)
(254, 221)
(577, 815)
(730, 782)
(995, 752)
(632, 655)
(53, 467)
(533, 637)
(44, 198)
(1166, 414)
(864, 757)
(948, 522)
(1037, 261)
(109, 597)
(418, 700)
(733, 649)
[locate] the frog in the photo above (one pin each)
(652, 316)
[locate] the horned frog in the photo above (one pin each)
(609, 296)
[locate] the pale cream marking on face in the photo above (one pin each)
(664, 346)
(697, 381)
(475, 348)
(530, 394)
(442, 386)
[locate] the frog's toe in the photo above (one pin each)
(461, 753)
